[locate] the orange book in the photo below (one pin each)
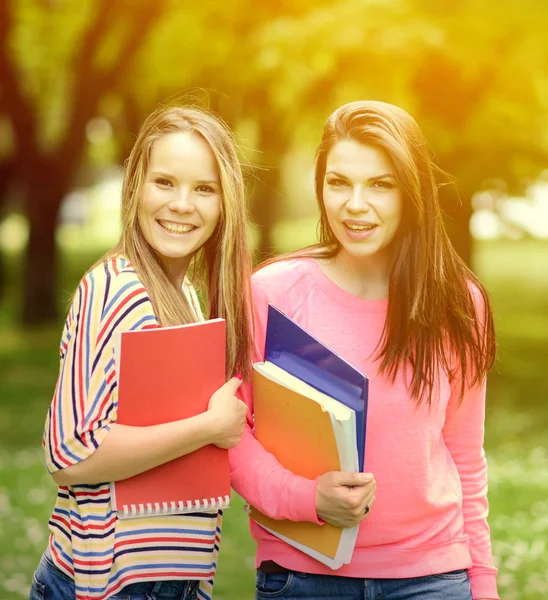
(308, 438)
(167, 374)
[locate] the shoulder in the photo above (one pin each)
(480, 298)
(285, 272)
(283, 282)
(112, 291)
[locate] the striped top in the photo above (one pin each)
(88, 542)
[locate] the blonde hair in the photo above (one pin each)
(221, 268)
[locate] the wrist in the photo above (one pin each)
(210, 427)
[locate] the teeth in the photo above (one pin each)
(359, 227)
(173, 228)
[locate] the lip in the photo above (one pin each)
(359, 223)
(177, 224)
(359, 236)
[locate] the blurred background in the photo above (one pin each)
(77, 78)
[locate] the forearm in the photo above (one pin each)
(473, 475)
(263, 482)
(128, 451)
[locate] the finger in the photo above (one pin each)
(368, 507)
(352, 479)
(359, 496)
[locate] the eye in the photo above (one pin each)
(206, 189)
(382, 184)
(163, 182)
(337, 182)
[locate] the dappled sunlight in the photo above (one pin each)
(83, 74)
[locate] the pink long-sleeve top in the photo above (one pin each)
(430, 513)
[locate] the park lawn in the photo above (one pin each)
(516, 273)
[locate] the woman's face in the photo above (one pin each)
(362, 198)
(180, 203)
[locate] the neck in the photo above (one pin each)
(177, 271)
(364, 277)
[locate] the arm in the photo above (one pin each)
(263, 482)
(335, 497)
(128, 451)
(83, 443)
(463, 435)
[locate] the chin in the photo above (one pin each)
(359, 252)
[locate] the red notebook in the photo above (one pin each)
(166, 374)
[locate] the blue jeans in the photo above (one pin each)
(454, 585)
(50, 583)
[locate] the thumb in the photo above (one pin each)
(353, 479)
(233, 384)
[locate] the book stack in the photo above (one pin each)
(310, 408)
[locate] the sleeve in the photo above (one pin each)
(84, 403)
(255, 473)
(463, 434)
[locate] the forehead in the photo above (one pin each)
(183, 154)
(360, 161)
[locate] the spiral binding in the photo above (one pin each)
(173, 508)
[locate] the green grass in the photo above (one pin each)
(516, 274)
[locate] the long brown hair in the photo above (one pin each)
(438, 310)
(221, 268)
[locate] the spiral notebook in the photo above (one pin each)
(166, 374)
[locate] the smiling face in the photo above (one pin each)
(362, 199)
(180, 203)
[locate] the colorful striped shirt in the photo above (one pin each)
(88, 542)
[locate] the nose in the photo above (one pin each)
(182, 201)
(358, 201)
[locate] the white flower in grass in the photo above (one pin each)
(5, 504)
(17, 583)
(26, 458)
(38, 496)
(537, 586)
(34, 531)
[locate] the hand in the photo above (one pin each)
(228, 415)
(341, 497)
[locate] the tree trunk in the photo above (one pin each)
(44, 198)
(7, 168)
(3, 275)
(267, 195)
(264, 213)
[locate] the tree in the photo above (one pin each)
(92, 60)
(472, 73)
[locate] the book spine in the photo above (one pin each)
(173, 508)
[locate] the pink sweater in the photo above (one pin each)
(430, 513)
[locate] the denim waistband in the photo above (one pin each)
(48, 561)
(170, 589)
(173, 589)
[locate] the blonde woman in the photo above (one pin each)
(183, 208)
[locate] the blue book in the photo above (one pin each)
(290, 347)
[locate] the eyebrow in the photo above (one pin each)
(172, 176)
(376, 178)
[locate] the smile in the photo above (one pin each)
(176, 228)
(359, 227)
